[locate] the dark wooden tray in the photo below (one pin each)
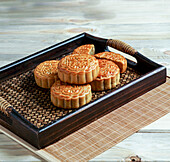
(26, 110)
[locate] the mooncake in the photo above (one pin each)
(78, 69)
(85, 49)
(116, 58)
(68, 96)
(46, 73)
(108, 76)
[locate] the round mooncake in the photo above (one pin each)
(70, 96)
(46, 73)
(78, 69)
(85, 49)
(116, 58)
(108, 77)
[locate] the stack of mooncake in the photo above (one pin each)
(73, 78)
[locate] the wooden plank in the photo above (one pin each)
(161, 125)
(31, 151)
(37, 25)
(148, 146)
(10, 150)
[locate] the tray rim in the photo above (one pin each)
(158, 68)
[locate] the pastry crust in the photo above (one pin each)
(116, 58)
(70, 96)
(85, 49)
(108, 77)
(46, 73)
(78, 69)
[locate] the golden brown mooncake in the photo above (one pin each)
(78, 69)
(108, 76)
(116, 58)
(70, 96)
(85, 49)
(46, 73)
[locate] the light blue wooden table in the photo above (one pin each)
(29, 26)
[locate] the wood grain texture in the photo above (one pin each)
(10, 150)
(162, 125)
(29, 26)
(148, 146)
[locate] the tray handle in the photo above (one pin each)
(121, 46)
(5, 107)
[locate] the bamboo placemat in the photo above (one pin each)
(109, 130)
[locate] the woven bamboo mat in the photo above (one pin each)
(109, 130)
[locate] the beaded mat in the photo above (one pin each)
(104, 133)
(33, 102)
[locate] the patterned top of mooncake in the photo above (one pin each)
(47, 69)
(116, 58)
(67, 91)
(85, 49)
(111, 56)
(107, 70)
(77, 63)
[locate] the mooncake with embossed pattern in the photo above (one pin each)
(85, 49)
(68, 96)
(108, 76)
(116, 58)
(46, 73)
(78, 69)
